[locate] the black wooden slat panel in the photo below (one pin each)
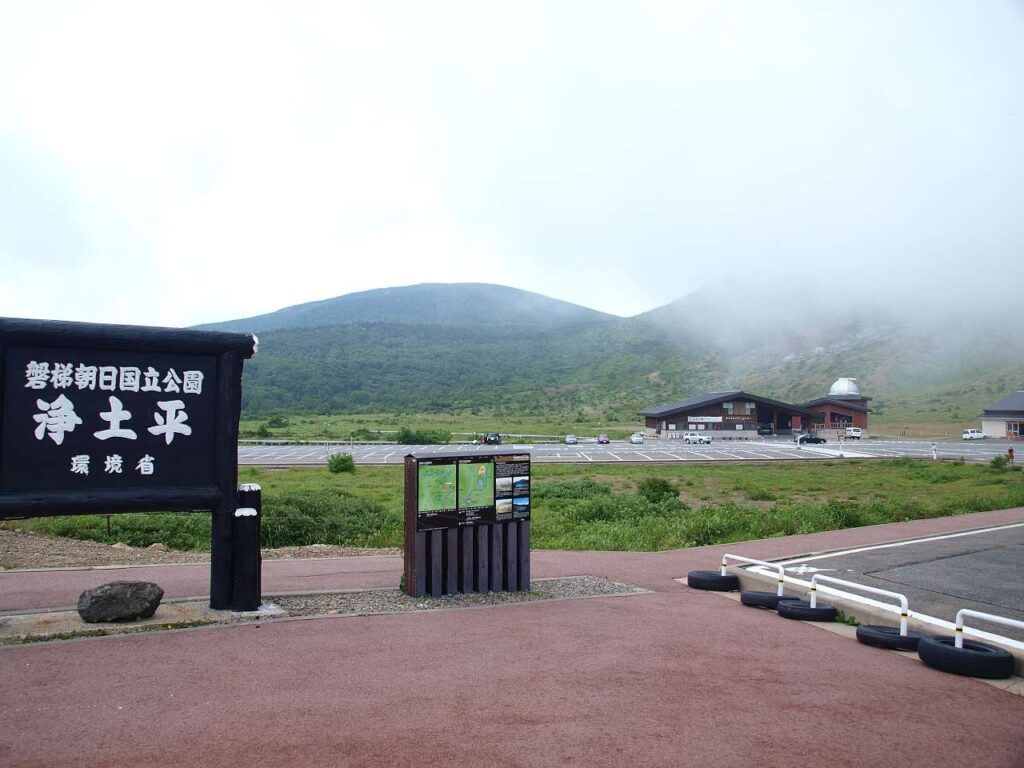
(524, 555)
(466, 553)
(497, 556)
(483, 571)
(511, 557)
(103, 501)
(17, 331)
(420, 587)
(451, 561)
(436, 563)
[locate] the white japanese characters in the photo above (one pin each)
(56, 417)
(174, 423)
(112, 465)
(114, 417)
(111, 378)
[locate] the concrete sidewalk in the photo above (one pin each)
(675, 677)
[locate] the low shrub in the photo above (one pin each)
(340, 462)
(656, 489)
(408, 436)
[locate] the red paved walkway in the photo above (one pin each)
(673, 678)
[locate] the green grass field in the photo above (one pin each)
(611, 507)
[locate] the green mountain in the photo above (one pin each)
(466, 347)
(454, 304)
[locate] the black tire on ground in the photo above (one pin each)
(975, 659)
(887, 637)
(763, 599)
(713, 581)
(801, 609)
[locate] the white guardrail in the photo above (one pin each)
(964, 612)
(752, 561)
(904, 608)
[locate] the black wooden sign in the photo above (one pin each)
(109, 418)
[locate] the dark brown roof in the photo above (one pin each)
(836, 401)
(712, 398)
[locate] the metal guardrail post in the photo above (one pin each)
(964, 612)
(752, 561)
(904, 607)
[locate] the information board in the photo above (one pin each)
(456, 491)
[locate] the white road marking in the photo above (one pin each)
(644, 455)
(836, 452)
(941, 537)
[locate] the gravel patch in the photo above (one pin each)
(379, 601)
(33, 550)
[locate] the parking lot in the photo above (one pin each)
(653, 451)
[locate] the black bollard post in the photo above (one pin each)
(245, 530)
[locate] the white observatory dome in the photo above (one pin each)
(844, 388)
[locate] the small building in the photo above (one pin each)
(1005, 419)
(739, 414)
(734, 414)
(843, 407)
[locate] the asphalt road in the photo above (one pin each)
(977, 569)
(767, 449)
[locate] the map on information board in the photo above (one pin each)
(436, 487)
(476, 484)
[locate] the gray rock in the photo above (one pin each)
(120, 601)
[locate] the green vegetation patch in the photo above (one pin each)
(610, 507)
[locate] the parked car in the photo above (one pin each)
(492, 438)
(571, 440)
(765, 429)
(637, 438)
(696, 437)
(974, 434)
(603, 440)
(810, 439)
(854, 433)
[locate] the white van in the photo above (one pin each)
(854, 433)
(974, 434)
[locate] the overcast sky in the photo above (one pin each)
(178, 163)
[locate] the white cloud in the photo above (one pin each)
(198, 162)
